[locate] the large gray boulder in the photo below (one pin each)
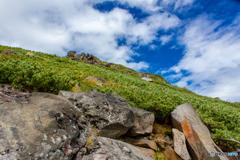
(199, 140)
(109, 114)
(37, 129)
(114, 150)
(143, 122)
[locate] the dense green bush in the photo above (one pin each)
(32, 76)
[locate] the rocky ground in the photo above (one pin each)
(96, 126)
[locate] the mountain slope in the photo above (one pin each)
(43, 72)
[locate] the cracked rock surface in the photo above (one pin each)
(38, 129)
(43, 126)
(110, 114)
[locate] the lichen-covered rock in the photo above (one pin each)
(38, 129)
(143, 122)
(115, 149)
(109, 114)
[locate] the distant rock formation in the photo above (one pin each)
(10, 51)
(87, 58)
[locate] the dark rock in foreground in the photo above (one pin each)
(36, 130)
(114, 149)
(110, 113)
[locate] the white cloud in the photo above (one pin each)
(178, 4)
(146, 5)
(145, 32)
(56, 26)
(212, 57)
(165, 39)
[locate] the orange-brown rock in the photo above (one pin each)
(170, 154)
(199, 140)
(188, 131)
(146, 151)
(142, 143)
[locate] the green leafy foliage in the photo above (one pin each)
(50, 73)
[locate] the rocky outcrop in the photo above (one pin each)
(199, 140)
(45, 126)
(10, 51)
(87, 58)
(180, 144)
(143, 122)
(37, 129)
(71, 54)
(111, 115)
(114, 149)
(71, 126)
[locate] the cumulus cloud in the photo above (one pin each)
(211, 59)
(55, 27)
(165, 39)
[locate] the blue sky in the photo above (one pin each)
(193, 44)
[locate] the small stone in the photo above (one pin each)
(142, 143)
(146, 151)
(126, 149)
(83, 150)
